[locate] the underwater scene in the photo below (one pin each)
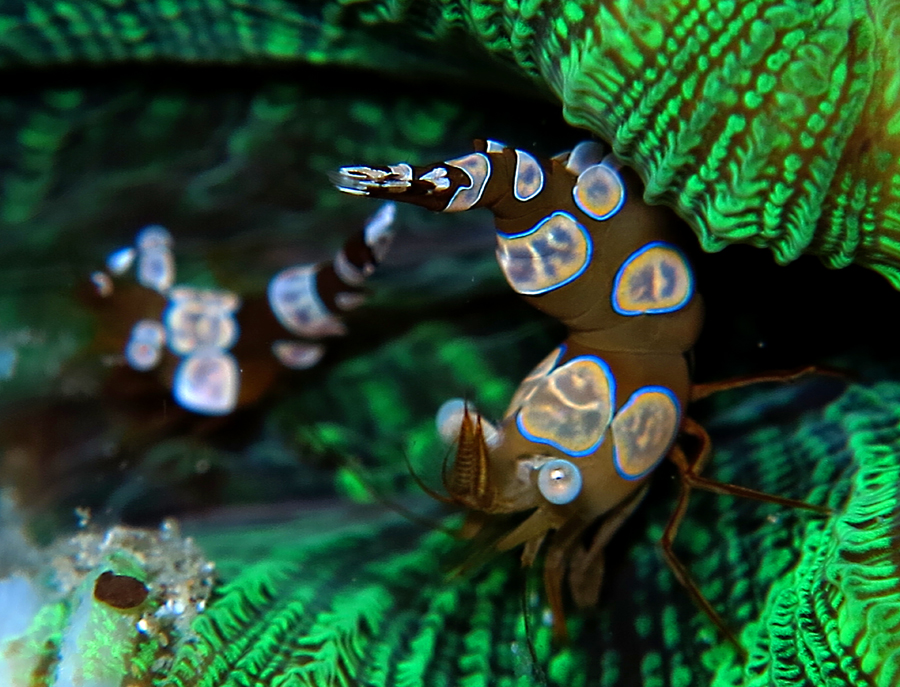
(396, 343)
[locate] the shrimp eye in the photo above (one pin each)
(559, 481)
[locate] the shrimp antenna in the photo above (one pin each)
(701, 391)
(422, 485)
(417, 519)
(529, 629)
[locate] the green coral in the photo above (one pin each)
(844, 592)
(372, 602)
(771, 122)
(54, 32)
(242, 160)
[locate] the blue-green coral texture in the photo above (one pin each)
(375, 603)
(772, 122)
